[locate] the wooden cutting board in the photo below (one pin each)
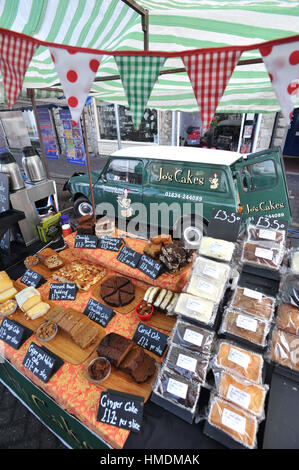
(158, 319)
(161, 320)
(48, 274)
(139, 294)
(123, 382)
(62, 344)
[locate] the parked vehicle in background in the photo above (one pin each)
(223, 136)
(254, 184)
(193, 137)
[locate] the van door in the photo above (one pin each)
(261, 185)
(121, 186)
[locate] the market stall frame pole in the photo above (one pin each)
(145, 29)
(144, 20)
(31, 95)
(88, 166)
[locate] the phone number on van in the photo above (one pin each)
(187, 197)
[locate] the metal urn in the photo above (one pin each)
(32, 165)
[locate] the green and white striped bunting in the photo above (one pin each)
(138, 75)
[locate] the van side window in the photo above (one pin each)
(204, 179)
(260, 175)
(125, 171)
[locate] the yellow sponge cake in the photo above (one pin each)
(7, 290)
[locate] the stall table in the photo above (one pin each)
(68, 391)
(68, 402)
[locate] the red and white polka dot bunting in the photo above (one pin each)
(282, 64)
(76, 71)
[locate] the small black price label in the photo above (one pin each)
(150, 339)
(86, 241)
(121, 410)
(150, 267)
(129, 257)
(13, 333)
(63, 291)
(32, 278)
(98, 312)
(40, 363)
(110, 243)
(224, 224)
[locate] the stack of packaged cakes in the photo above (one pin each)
(284, 348)
(237, 403)
(207, 283)
(184, 368)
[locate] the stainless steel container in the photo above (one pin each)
(32, 165)
(9, 166)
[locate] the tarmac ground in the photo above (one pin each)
(19, 428)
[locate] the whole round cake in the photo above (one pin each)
(117, 291)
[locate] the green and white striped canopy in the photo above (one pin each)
(173, 26)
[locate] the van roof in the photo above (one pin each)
(183, 154)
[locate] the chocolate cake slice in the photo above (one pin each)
(114, 347)
(121, 282)
(106, 291)
(109, 282)
(125, 298)
(138, 364)
(128, 288)
(113, 299)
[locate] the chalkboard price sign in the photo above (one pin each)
(129, 257)
(225, 225)
(110, 243)
(150, 339)
(121, 410)
(13, 333)
(32, 278)
(40, 363)
(86, 241)
(63, 291)
(98, 312)
(270, 223)
(150, 267)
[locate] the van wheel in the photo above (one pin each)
(190, 232)
(82, 206)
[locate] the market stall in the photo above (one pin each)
(199, 333)
(219, 326)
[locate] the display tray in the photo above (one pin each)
(48, 274)
(161, 320)
(286, 372)
(61, 344)
(122, 382)
(221, 437)
(172, 408)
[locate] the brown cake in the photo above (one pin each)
(138, 364)
(86, 336)
(69, 320)
(114, 347)
(56, 313)
(117, 291)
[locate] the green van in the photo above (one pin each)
(197, 180)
